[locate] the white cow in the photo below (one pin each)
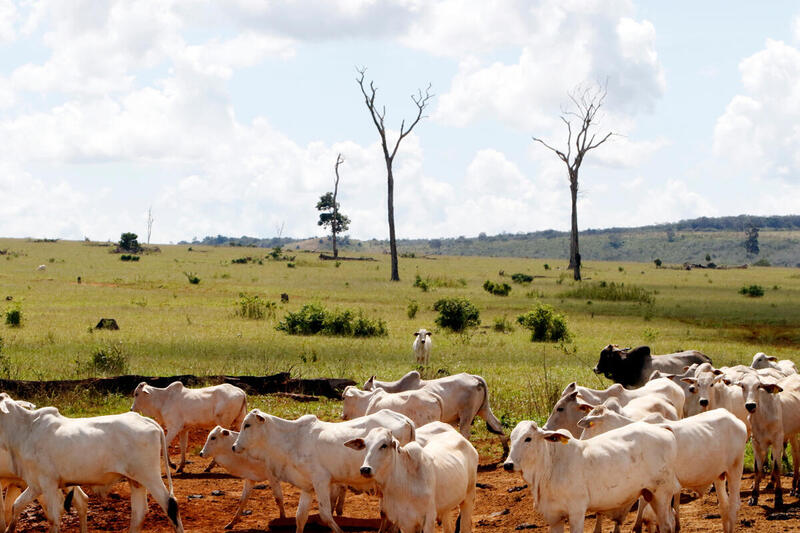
(218, 446)
(570, 477)
(784, 366)
(179, 409)
(708, 390)
(422, 346)
(710, 450)
(464, 397)
(41, 267)
(421, 484)
(308, 453)
(576, 401)
(52, 452)
(421, 406)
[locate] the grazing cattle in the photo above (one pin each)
(568, 477)
(784, 366)
(308, 453)
(179, 409)
(710, 450)
(218, 446)
(422, 346)
(464, 396)
(421, 484)
(576, 401)
(52, 452)
(633, 367)
(41, 267)
(421, 406)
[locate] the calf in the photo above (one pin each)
(179, 409)
(218, 447)
(422, 483)
(51, 452)
(576, 401)
(568, 479)
(710, 450)
(308, 453)
(784, 366)
(421, 406)
(422, 346)
(464, 396)
(709, 390)
(633, 367)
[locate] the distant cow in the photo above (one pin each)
(422, 346)
(420, 405)
(41, 267)
(633, 367)
(178, 409)
(784, 366)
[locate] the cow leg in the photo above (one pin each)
(3, 508)
(337, 499)
(211, 465)
(637, 524)
(26, 497)
(12, 493)
(323, 489)
(676, 507)
(795, 442)
(758, 465)
(301, 516)
(184, 440)
(777, 457)
(576, 520)
(277, 493)
(661, 505)
(138, 506)
(734, 478)
(171, 434)
(153, 483)
(598, 523)
(466, 509)
(81, 503)
(724, 502)
(248, 486)
(52, 505)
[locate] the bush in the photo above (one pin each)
(110, 360)
(456, 314)
(657, 262)
(128, 257)
(192, 277)
(519, 277)
(498, 289)
(545, 324)
(546, 266)
(241, 260)
(502, 325)
(14, 317)
(753, 291)
(763, 262)
(421, 283)
(428, 283)
(611, 292)
(129, 242)
(253, 307)
(412, 309)
(314, 319)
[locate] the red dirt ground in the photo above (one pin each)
(497, 509)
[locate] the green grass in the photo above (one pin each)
(169, 326)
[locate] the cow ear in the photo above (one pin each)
(4, 407)
(416, 333)
(573, 396)
(772, 358)
(355, 444)
(771, 388)
(585, 407)
(260, 418)
(556, 436)
(225, 432)
(690, 381)
(144, 390)
(717, 372)
(569, 388)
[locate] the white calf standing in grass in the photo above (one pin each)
(179, 409)
(422, 346)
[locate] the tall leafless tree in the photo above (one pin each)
(580, 117)
(149, 223)
(329, 207)
(421, 100)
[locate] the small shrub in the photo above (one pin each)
(658, 262)
(290, 265)
(546, 266)
(456, 314)
(284, 298)
(241, 260)
(502, 325)
(129, 257)
(254, 307)
(314, 319)
(14, 317)
(753, 291)
(519, 277)
(763, 262)
(421, 283)
(192, 277)
(366, 327)
(545, 324)
(621, 269)
(412, 308)
(110, 360)
(611, 292)
(498, 289)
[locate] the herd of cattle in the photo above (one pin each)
(670, 422)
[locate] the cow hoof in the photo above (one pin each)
(229, 526)
(753, 501)
(207, 469)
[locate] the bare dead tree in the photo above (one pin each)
(421, 100)
(586, 102)
(149, 223)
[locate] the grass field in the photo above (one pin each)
(169, 326)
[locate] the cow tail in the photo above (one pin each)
(237, 423)
(165, 451)
(485, 412)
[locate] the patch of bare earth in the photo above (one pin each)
(501, 506)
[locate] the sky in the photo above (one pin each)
(226, 117)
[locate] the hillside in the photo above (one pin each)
(691, 240)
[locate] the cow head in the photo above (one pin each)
(623, 365)
(141, 399)
(567, 411)
(219, 440)
(422, 335)
(527, 443)
(354, 402)
(252, 425)
(381, 448)
(757, 392)
(762, 360)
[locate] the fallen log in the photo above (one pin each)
(326, 257)
(277, 383)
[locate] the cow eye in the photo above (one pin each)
(527, 439)
(247, 426)
(693, 390)
(213, 438)
(559, 409)
(383, 447)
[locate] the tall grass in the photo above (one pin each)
(611, 292)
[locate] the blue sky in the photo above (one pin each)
(226, 117)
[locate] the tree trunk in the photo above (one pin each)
(335, 250)
(392, 239)
(574, 253)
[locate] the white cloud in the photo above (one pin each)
(673, 201)
(758, 132)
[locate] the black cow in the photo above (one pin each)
(633, 367)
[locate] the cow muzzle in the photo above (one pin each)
(366, 471)
(508, 466)
(704, 402)
(751, 407)
(233, 448)
(596, 370)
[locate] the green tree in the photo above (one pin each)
(751, 239)
(128, 242)
(330, 217)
